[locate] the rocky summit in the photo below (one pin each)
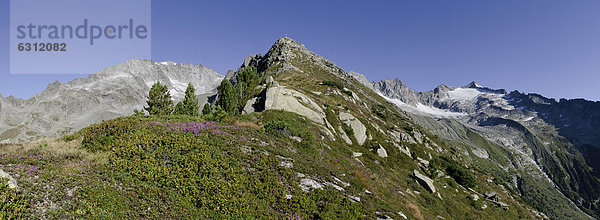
(290, 134)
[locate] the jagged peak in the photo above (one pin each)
(289, 43)
(442, 87)
(361, 78)
(395, 82)
(284, 51)
(474, 85)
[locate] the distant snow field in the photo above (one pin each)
(463, 93)
(422, 109)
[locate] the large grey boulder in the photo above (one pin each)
(12, 183)
(281, 98)
(425, 181)
(360, 131)
(249, 107)
(381, 152)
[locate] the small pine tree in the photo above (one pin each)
(159, 100)
(227, 99)
(189, 105)
(247, 80)
(206, 110)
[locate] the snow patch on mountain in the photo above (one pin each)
(437, 111)
(422, 109)
(463, 93)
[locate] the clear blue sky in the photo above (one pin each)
(541, 46)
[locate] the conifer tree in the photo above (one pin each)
(189, 105)
(228, 98)
(159, 100)
(206, 109)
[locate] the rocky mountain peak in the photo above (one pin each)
(289, 53)
(361, 78)
(288, 44)
(474, 85)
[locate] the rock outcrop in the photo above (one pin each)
(360, 131)
(249, 107)
(424, 181)
(281, 98)
(381, 152)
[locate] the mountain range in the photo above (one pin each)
(537, 152)
(63, 108)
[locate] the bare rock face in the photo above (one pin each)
(116, 91)
(481, 153)
(360, 131)
(425, 181)
(281, 98)
(381, 152)
(249, 107)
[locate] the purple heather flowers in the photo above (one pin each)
(194, 127)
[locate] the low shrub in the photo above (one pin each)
(454, 170)
(13, 203)
(335, 84)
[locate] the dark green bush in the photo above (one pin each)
(277, 128)
(349, 131)
(335, 84)
(380, 111)
(454, 170)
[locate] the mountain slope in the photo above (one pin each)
(329, 94)
(532, 127)
(116, 91)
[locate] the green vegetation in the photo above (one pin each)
(347, 129)
(189, 105)
(247, 80)
(159, 100)
(379, 110)
(335, 84)
(138, 112)
(206, 109)
(233, 98)
(176, 168)
(454, 170)
(227, 97)
(277, 128)
(13, 203)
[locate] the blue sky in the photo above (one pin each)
(541, 46)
